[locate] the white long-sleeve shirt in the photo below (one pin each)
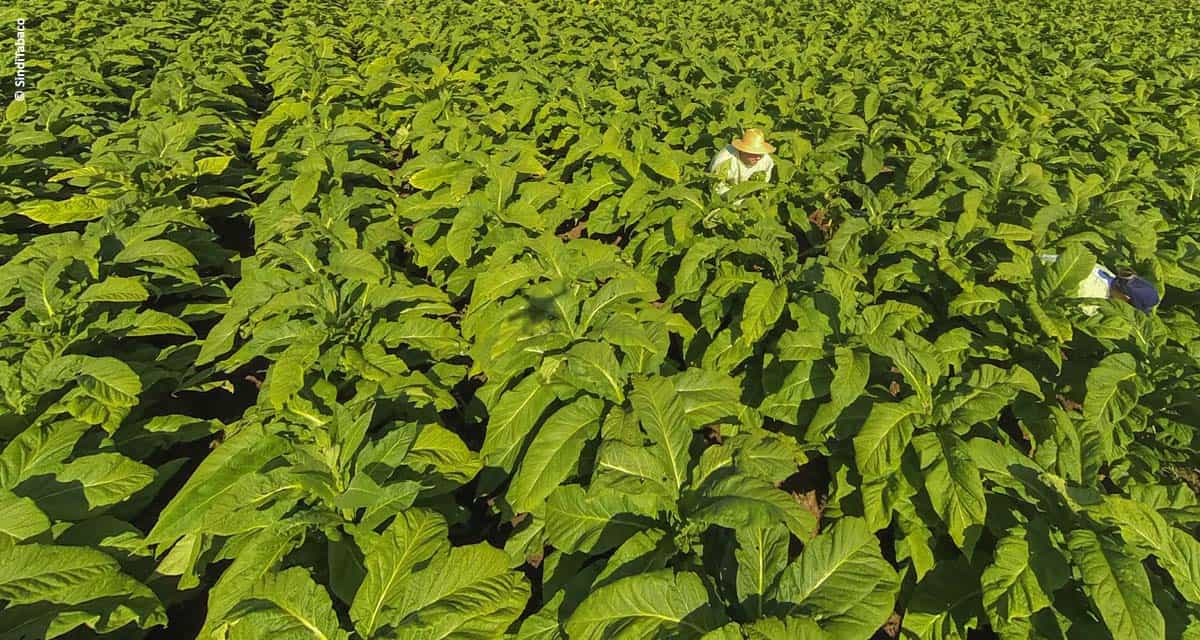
(733, 171)
(1095, 285)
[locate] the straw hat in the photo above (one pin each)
(752, 142)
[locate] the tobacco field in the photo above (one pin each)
(421, 319)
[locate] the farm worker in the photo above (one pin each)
(742, 158)
(1125, 285)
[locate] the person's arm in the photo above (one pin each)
(721, 167)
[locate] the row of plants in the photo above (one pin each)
(112, 269)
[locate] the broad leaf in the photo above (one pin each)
(1117, 586)
(954, 484)
(647, 605)
(413, 538)
(661, 413)
(287, 605)
(554, 452)
(836, 579)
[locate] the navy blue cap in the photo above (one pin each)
(1141, 292)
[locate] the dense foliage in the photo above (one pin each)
(372, 319)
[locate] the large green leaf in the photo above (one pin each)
(611, 294)
(762, 308)
(75, 209)
(631, 469)
(592, 521)
(743, 502)
(499, 282)
(20, 518)
(287, 605)
(916, 360)
(707, 396)
(512, 419)
(592, 367)
(661, 413)
(647, 605)
(954, 484)
(946, 603)
(109, 380)
(439, 451)
(240, 456)
(1113, 388)
(884, 436)
(1146, 532)
(467, 593)
(985, 393)
(1182, 560)
(802, 381)
(643, 552)
(38, 449)
(761, 556)
(433, 335)
(1117, 586)
(35, 573)
(357, 264)
(286, 376)
(87, 484)
(161, 252)
(116, 289)
(258, 558)
(413, 537)
(849, 381)
(1024, 572)
(1062, 276)
(102, 605)
(841, 579)
(304, 188)
(554, 452)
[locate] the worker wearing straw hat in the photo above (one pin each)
(743, 158)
